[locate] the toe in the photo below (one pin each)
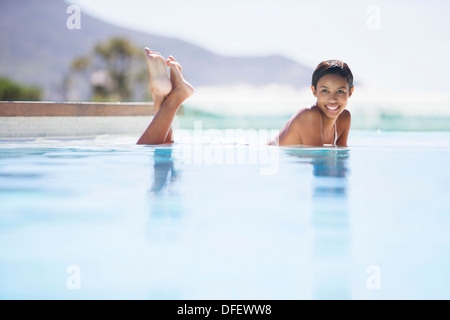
(174, 65)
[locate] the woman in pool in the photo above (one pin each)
(327, 122)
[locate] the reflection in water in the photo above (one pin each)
(164, 170)
(330, 222)
(165, 205)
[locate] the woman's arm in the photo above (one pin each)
(344, 122)
(310, 128)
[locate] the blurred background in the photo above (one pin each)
(250, 61)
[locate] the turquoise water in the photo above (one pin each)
(102, 218)
(367, 118)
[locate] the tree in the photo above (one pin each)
(114, 71)
(14, 91)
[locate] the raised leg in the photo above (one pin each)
(158, 130)
(160, 84)
(157, 102)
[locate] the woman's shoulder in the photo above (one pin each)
(307, 114)
(345, 116)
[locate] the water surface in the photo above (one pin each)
(102, 218)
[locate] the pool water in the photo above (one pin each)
(103, 218)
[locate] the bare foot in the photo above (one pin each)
(179, 84)
(160, 84)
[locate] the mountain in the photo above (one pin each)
(36, 47)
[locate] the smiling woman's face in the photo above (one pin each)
(332, 94)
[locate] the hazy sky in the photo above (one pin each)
(401, 45)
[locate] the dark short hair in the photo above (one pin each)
(332, 67)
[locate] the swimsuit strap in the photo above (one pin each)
(335, 134)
